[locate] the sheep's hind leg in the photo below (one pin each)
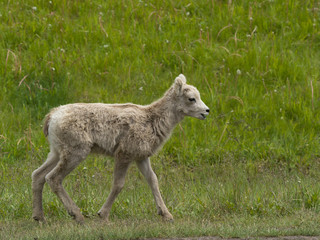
(68, 162)
(145, 168)
(38, 180)
(119, 174)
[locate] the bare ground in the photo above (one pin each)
(251, 238)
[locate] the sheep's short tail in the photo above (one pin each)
(46, 124)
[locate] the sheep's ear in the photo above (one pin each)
(178, 82)
(181, 79)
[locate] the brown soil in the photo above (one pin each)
(251, 238)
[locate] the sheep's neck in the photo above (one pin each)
(165, 116)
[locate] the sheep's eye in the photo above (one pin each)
(192, 99)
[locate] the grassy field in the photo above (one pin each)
(251, 169)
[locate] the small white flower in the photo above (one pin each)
(275, 90)
(84, 168)
(238, 72)
(101, 13)
(53, 69)
(49, 25)
(188, 13)
(250, 18)
(167, 41)
(281, 118)
(106, 45)
(34, 8)
(50, 2)
(62, 50)
(141, 88)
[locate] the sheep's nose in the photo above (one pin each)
(208, 110)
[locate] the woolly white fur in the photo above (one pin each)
(128, 132)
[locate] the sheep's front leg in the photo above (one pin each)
(119, 175)
(145, 168)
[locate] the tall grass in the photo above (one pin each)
(256, 64)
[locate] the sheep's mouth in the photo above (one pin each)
(203, 116)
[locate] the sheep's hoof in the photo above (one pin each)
(80, 222)
(39, 218)
(79, 219)
(167, 217)
(103, 217)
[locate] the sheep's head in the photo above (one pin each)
(188, 99)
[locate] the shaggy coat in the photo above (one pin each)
(127, 132)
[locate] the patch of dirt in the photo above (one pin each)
(251, 238)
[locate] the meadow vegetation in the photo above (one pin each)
(251, 169)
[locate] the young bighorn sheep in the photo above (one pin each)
(128, 132)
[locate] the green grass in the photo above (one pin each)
(124, 229)
(251, 169)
